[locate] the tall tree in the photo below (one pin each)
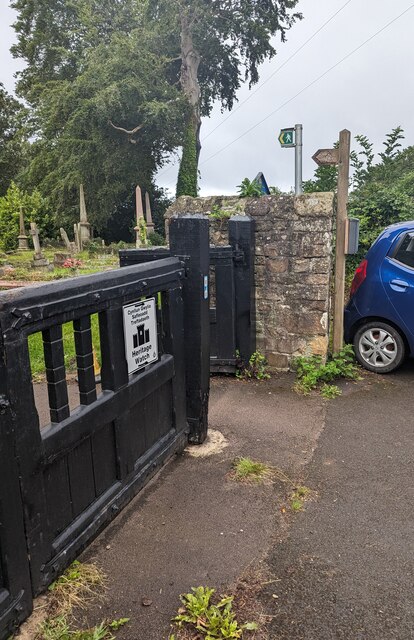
(12, 138)
(105, 110)
(214, 46)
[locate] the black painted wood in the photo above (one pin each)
(189, 237)
(242, 241)
(81, 469)
(15, 588)
(84, 360)
(56, 374)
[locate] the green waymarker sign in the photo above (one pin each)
(287, 137)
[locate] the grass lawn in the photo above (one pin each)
(36, 349)
(17, 266)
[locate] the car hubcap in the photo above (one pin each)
(377, 347)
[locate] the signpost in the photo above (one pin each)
(292, 137)
(141, 337)
(340, 157)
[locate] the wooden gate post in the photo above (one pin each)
(242, 241)
(189, 238)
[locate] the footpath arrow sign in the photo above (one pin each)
(325, 157)
(287, 137)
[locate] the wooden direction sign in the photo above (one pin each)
(326, 157)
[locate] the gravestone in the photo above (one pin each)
(39, 261)
(150, 224)
(23, 238)
(140, 219)
(84, 226)
(70, 246)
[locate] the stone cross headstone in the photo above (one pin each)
(140, 218)
(23, 238)
(39, 260)
(150, 224)
(84, 226)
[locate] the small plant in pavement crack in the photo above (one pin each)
(257, 367)
(211, 618)
(246, 469)
(311, 372)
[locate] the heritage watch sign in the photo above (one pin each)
(141, 337)
(287, 137)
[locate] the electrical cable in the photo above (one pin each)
(309, 85)
(253, 93)
(269, 78)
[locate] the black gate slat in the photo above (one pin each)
(84, 360)
(81, 478)
(56, 373)
(58, 439)
(71, 477)
(104, 458)
(173, 342)
(59, 508)
(225, 310)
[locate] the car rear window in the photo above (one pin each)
(405, 251)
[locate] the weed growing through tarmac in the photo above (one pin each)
(311, 372)
(257, 369)
(76, 588)
(248, 470)
(204, 616)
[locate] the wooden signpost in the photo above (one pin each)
(339, 157)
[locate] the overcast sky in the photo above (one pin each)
(370, 92)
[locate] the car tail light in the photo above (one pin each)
(359, 277)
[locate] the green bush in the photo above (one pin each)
(34, 209)
(311, 371)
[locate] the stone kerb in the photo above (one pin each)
(292, 266)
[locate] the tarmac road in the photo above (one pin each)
(347, 568)
(343, 568)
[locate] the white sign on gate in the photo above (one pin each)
(141, 337)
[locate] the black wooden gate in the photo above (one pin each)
(232, 304)
(78, 471)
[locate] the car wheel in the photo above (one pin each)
(379, 347)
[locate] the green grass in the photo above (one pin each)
(248, 469)
(35, 341)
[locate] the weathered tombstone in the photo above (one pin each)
(84, 226)
(140, 228)
(60, 258)
(39, 261)
(23, 238)
(76, 231)
(150, 224)
(70, 246)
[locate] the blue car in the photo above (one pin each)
(379, 318)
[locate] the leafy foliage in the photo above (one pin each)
(187, 175)
(256, 369)
(34, 208)
(311, 371)
(12, 138)
(249, 189)
(211, 621)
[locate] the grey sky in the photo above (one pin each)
(370, 93)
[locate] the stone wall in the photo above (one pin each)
(293, 267)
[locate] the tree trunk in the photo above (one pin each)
(190, 62)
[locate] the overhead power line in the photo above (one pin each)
(351, 53)
(272, 75)
(240, 104)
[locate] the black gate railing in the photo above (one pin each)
(60, 484)
(232, 304)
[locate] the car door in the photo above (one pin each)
(397, 275)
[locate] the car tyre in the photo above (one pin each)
(379, 347)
